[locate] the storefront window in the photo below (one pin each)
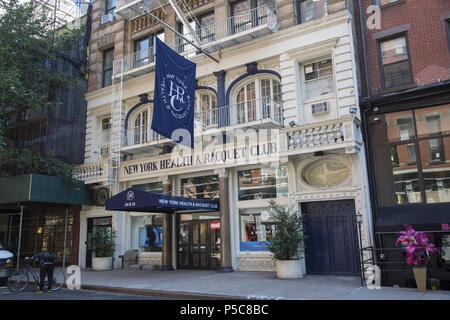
(146, 233)
(257, 226)
(418, 144)
(200, 187)
(152, 186)
(263, 183)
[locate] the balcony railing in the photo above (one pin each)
(241, 113)
(140, 135)
(235, 25)
(92, 172)
(213, 34)
(325, 135)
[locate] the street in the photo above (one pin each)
(66, 294)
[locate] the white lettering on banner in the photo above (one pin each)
(190, 204)
(229, 156)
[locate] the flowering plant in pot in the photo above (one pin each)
(287, 242)
(418, 247)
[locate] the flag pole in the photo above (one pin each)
(175, 31)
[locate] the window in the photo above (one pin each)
(105, 131)
(146, 233)
(395, 64)
(418, 142)
(309, 10)
(108, 58)
(141, 127)
(245, 14)
(256, 227)
(152, 186)
(262, 183)
(204, 29)
(143, 49)
(386, 2)
(200, 187)
(110, 7)
(318, 78)
(206, 104)
(447, 26)
(258, 99)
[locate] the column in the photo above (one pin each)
(166, 263)
(225, 235)
(223, 114)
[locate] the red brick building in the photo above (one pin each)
(405, 103)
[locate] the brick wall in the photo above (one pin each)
(427, 36)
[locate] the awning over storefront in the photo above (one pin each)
(31, 188)
(144, 201)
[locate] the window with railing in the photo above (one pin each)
(257, 99)
(143, 49)
(206, 106)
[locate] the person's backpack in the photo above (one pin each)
(49, 257)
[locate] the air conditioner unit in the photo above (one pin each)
(107, 18)
(319, 108)
(104, 151)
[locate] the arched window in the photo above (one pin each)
(259, 98)
(206, 106)
(140, 131)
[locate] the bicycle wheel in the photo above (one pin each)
(58, 280)
(18, 281)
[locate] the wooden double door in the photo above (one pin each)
(332, 245)
(199, 244)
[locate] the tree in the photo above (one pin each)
(30, 48)
(288, 242)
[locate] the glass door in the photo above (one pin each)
(199, 245)
(92, 225)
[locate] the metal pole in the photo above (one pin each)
(20, 237)
(175, 31)
(65, 239)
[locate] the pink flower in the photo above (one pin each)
(418, 246)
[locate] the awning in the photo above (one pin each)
(144, 201)
(40, 188)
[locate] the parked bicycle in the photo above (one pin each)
(18, 280)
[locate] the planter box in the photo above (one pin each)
(101, 264)
(289, 269)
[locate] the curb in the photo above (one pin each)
(161, 293)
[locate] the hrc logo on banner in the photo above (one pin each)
(174, 95)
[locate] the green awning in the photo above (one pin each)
(44, 189)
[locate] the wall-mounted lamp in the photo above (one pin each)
(292, 123)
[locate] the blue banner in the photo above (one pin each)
(253, 246)
(173, 107)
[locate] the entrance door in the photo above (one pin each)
(331, 246)
(199, 244)
(92, 225)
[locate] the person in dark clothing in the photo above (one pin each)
(47, 264)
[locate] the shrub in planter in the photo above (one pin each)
(418, 248)
(102, 243)
(288, 242)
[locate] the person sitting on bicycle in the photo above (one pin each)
(47, 263)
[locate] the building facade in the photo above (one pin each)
(405, 112)
(276, 118)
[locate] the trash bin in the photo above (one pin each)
(129, 258)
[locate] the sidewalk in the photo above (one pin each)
(189, 284)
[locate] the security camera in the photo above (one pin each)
(352, 110)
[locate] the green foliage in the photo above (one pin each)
(103, 242)
(32, 162)
(288, 242)
(29, 51)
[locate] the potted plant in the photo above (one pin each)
(102, 242)
(434, 284)
(417, 248)
(288, 242)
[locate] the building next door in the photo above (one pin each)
(199, 244)
(331, 246)
(92, 224)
